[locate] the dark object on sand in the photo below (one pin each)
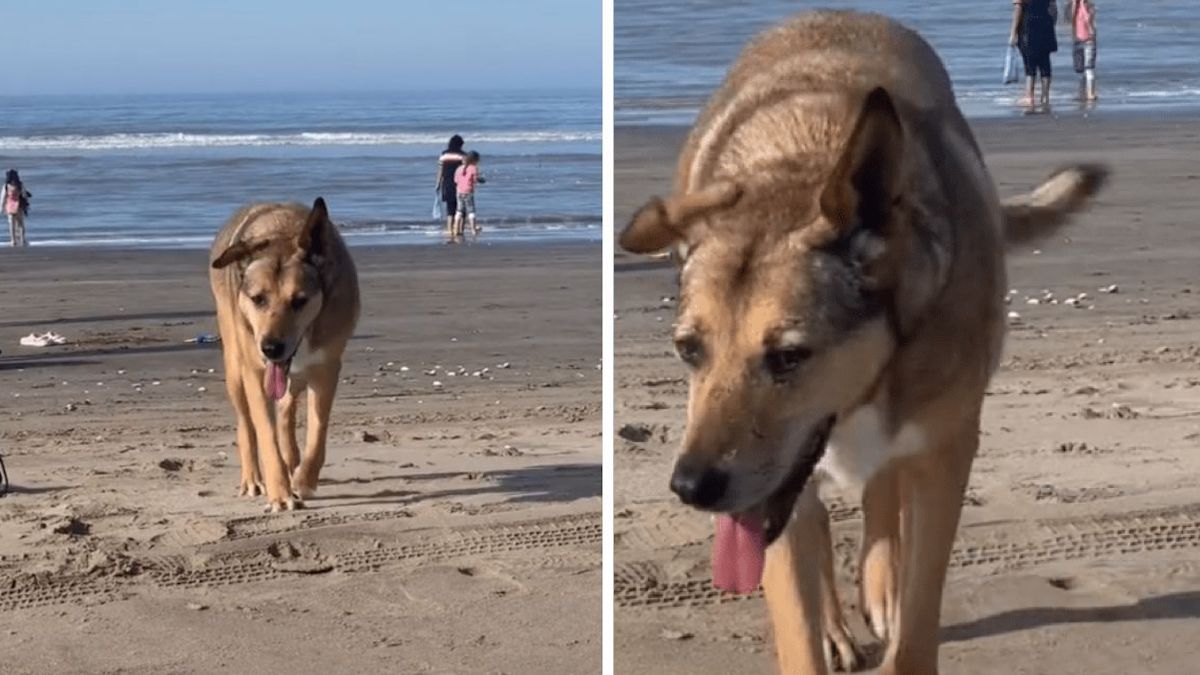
(3, 478)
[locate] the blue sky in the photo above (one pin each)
(172, 46)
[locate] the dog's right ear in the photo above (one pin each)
(867, 180)
(661, 223)
(238, 252)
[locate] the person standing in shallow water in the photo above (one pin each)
(16, 206)
(449, 161)
(1033, 33)
(1081, 15)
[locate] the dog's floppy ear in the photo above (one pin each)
(238, 252)
(663, 222)
(866, 181)
(312, 238)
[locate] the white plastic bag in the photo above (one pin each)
(1012, 57)
(438, 206)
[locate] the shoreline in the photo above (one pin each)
(355, 243)
(645, 155)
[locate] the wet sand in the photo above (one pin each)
(456, 528)
(1080, 542)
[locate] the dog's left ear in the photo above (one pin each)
(314, 236)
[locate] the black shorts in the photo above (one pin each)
(1036, 62)
(450, 197)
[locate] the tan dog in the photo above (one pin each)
(842, 310)
(287, 303)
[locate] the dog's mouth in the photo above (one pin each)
(276, 379)
(740, 545)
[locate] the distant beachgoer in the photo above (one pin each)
(1082, 16)
(465, 178)
(16, 207)
(451, 158)
(1033, 33)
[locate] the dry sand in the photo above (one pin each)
(456, 529)
(1080, 546)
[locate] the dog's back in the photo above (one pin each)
(796, 89)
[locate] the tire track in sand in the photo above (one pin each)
(642, 583)
(561, 533)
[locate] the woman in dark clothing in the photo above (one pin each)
(451, 158)
(1033, 33)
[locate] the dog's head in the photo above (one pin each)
(784, 315)
(280, 294)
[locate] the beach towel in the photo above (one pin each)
(1011, 58)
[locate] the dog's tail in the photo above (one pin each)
(1037, 214)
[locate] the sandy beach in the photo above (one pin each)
(1080, 541)
(457, 525)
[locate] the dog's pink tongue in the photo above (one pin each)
(276, 381)
(739, 553)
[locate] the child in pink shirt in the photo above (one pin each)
(1082, 16)
(465, 179)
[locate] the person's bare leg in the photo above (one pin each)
(12, 231)
(1028, 100)
(474, 225)
(450, 226)
(1046, 92)
(1089, 77)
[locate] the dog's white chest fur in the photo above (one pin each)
(860, 445)
(307, 358)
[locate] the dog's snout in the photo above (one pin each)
(698, 483)
(272, 349)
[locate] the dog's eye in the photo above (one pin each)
(298, 302)
(259, 300)
(781, 362)
(690, 350)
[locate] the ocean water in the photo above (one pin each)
(167, 171)
(669, 55)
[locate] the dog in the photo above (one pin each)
(842, 281)
(287, 303)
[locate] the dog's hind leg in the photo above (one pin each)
(880, 556)
(251, 482)
(934, 483)
(793, 586)
(840, 651)
(285, 427)
(322, 387)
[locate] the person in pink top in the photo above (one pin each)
(1082, 16)
(15, 200)
(465, 179)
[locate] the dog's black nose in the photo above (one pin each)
(698, 483)
(272, 349)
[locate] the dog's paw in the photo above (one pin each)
(290, 503)
(841, 653)
(251, 488)
(302, 489)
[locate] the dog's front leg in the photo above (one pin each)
(262, 413)
(251, 481)
(932, 490)
(286, 431)
(792, 584)
(322, 387)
